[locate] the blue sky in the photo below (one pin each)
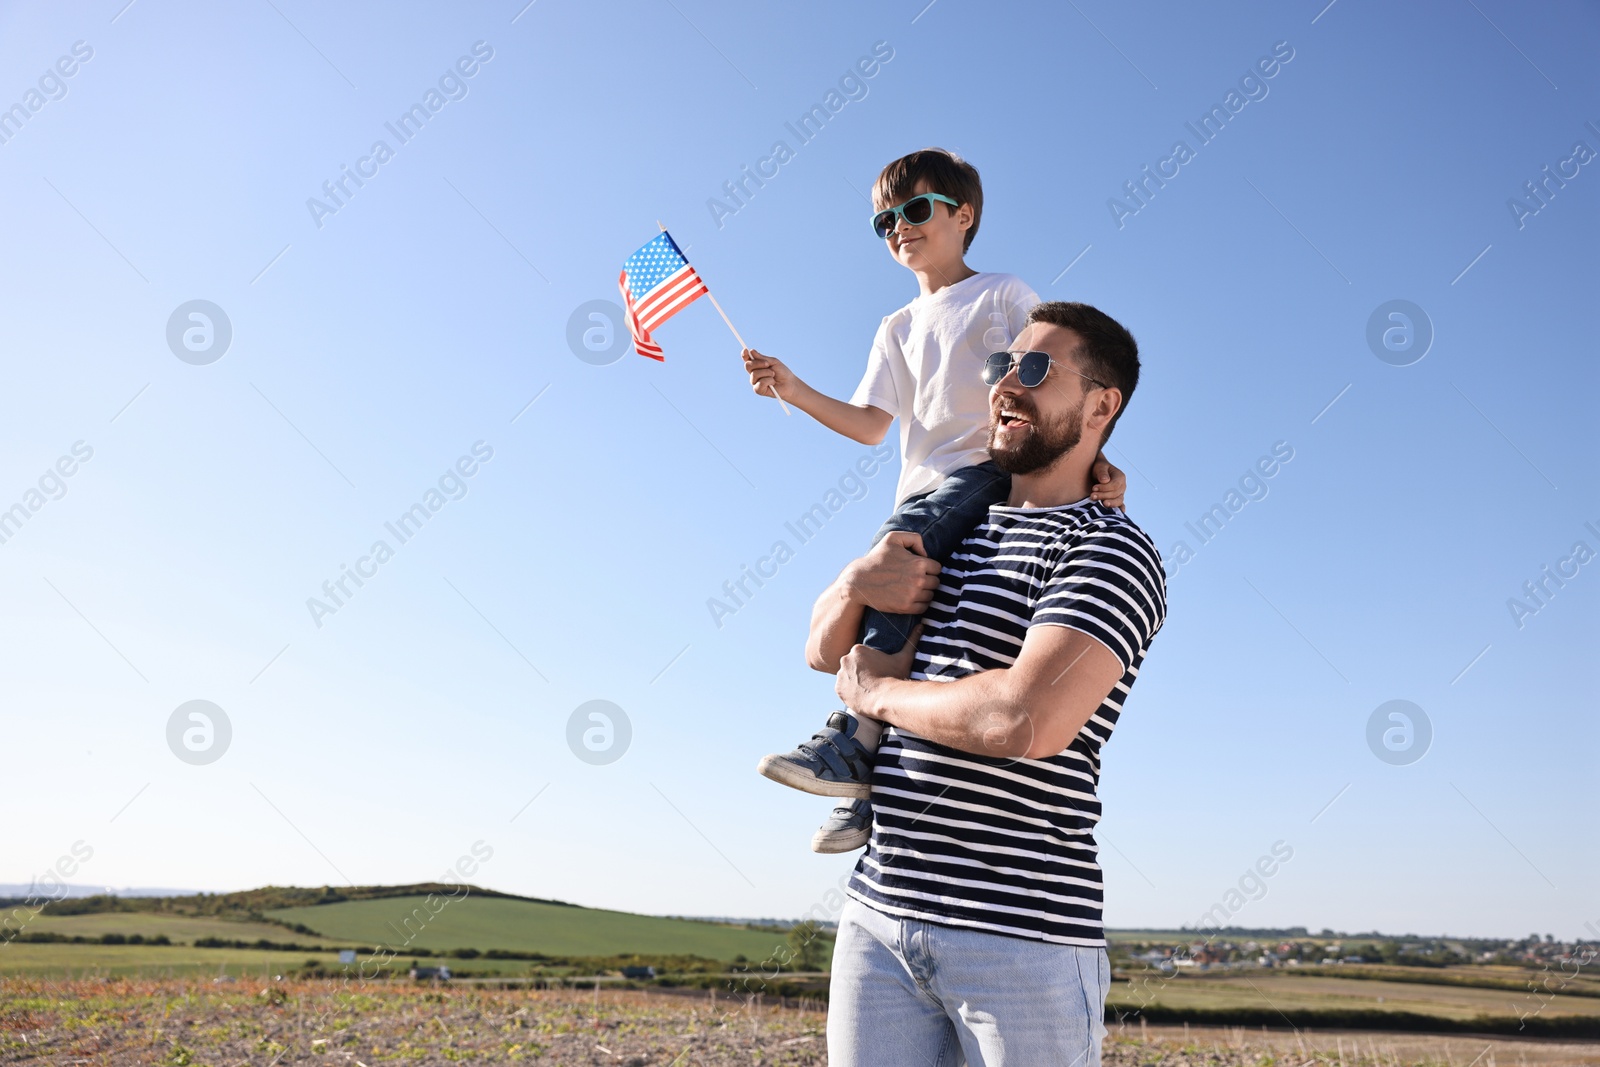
(374, 346)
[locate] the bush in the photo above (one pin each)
(805, 940)
(510, 954)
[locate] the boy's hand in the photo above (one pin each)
(1109, 483)
(768, 376)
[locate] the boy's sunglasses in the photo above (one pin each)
(1031, 368)
(917, 210)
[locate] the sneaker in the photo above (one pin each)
(846, 829)
(831, 764)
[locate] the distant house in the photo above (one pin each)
(638, 972)
(424, 974)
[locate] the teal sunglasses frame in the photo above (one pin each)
(887, 221)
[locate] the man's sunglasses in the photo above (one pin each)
(917, 210)
(1032, 367)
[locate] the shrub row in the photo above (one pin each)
(50, 937)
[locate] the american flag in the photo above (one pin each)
(657, 282)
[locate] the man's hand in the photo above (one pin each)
(769, 376)
(896, 577)
(863, 669)
(1109, 483)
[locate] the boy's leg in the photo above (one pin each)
(944, 518)
(847, 828)
(837, 761)
(832, 764)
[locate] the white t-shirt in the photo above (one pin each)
(926, 370)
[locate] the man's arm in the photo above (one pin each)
(859, 422)
(1030, 710)
(896, 576)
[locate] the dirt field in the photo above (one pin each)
(1175, 1046)
(185, 1023)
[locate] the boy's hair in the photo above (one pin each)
(1109, 353)
(945, 172)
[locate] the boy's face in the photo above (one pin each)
(936, 242)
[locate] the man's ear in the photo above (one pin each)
(1106, 406)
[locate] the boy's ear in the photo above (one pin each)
(963, 215)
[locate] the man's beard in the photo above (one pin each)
(1043, 444)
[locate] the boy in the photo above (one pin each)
(924, 369)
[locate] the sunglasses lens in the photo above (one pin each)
(1032, 368)
(918, 210)
(883, 223)
(997, 366)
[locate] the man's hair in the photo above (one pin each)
(1109, 353)
(945, 172)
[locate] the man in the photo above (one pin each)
(974, 925)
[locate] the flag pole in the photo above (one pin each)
(734, 331)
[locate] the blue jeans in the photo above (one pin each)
(906, 993)
(944, 518)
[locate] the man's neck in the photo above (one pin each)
(1066, 481)
(931, 279)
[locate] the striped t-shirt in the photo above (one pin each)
(1007, 845)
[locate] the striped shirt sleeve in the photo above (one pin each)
(1109, 586)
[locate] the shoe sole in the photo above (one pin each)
(832, 844)
(786, 773)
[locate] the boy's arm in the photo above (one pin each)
(859, 422)
(895, 577)
(1109, 483)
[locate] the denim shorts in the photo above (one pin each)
(906, 993)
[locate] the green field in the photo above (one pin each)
(579, 939)
(574, 941)
(180, 929)
(184, 961)
(525, 926)
(153, 961)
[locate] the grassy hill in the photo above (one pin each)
(250, 903)
(523, 925)
(156, 961)
(365, 916)
(179, 929)
(287, 930)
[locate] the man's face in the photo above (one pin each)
(938, 240)
(1029, 429)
